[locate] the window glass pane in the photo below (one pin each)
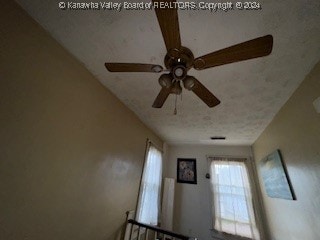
(149, 197)
(232, 199)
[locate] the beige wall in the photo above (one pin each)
(71, 153)
(295, 130)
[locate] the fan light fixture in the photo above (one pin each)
(165, 80)
(176, 88)
(178, 72)
(189, 82)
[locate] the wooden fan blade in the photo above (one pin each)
(204, 94)
(133, 67)
(255, 48)
(167, 16)
(162, 97)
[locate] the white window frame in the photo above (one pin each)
(256, 198)
(139, 212)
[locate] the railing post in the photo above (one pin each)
(138, 237)
(131, 231)
(165, 234)
(147, 235)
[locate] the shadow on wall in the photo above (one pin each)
(119, 233)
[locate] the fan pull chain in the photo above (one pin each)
(175, 106)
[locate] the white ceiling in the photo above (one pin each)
(251, 92)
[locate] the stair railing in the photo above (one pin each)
(140, 231)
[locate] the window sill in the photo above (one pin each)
(216, 235)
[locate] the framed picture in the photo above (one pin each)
(275, 177)
(187, 170)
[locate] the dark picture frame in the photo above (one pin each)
(187, 170)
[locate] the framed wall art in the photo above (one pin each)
(186, 170)
(275, 177)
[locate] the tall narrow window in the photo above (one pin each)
(232, 196)
(149, 198)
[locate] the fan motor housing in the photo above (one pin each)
(176, 57)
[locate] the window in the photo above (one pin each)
(233, 207)
(149, 198)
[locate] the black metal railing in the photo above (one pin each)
(140, 231)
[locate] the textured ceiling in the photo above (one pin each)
(251, 92)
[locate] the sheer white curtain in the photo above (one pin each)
(149, 197)
(233, 207)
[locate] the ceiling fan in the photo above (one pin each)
(179, 59)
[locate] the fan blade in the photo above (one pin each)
(255, 48)
(168, 20)
(133, 67)
(204, 94)
(162, 97)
